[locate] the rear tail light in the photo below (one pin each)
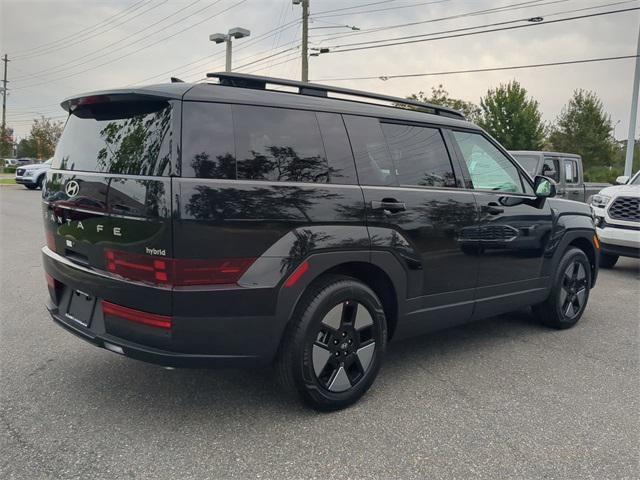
(136, 316)
(176, 271)
(54, 288)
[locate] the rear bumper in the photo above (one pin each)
(231, 326)
(150, 354)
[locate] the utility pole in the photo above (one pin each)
(305, 38)
(631, 139)
(4, 99)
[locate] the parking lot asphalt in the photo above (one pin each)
(502, 398)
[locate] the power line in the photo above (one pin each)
(86, 29)
(49, 50)
(356, 46)
(155, 42)
(478, 70)
(484, 11)
(63, 66)
(421, 4)
(356, 6)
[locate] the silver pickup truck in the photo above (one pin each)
(564, 168)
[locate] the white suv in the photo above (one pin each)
(617, 211)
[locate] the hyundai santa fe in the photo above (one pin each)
(304, 226)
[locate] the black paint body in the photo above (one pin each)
(451, 254)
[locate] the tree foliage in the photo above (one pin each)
(42, 140)
(512, 117)
(583, 127)
(439, 96)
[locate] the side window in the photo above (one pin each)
(551, 169)
(488, 167)
(207, 141)
(419, 156)
(279, 144)
(370, 151)
(342, 169)
(571, 171)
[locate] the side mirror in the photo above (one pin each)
(544, 187)
(622, 180)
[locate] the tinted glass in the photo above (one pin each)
(279, 144)
(529, 163)
(488, 167)
(550, 169)
(208, 150)
(342, 168)
(370, 150)
(571, 171)
(419, 156)
(120, 137)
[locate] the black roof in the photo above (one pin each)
(251, 94)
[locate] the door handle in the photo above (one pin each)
(492, 208)
(388, 204)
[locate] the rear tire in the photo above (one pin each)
(570, 292)
(335, 343)
(607, 260)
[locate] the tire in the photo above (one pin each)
(607, 260)
(39, 182)
(31, 187)
(569, 294)
(334, 345)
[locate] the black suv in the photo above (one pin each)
(230, 223)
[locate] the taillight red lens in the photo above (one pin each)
(209, 272)
(176, 271)
(136, 316)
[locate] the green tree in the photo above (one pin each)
(42, 139)
(439, 96)
(512, 117)
(26, 148)
(6, 141)
(583, 127)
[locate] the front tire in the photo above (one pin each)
(570, 292)
(31, 187)
(335, 343)
(608, 261)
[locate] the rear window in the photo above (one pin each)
(529, 163)
(130, 138)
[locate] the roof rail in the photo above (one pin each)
(243, 80)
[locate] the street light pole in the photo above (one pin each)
(5, 59)
(236, 32)
(631, 139)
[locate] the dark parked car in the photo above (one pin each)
(231, 224)
(564, 168)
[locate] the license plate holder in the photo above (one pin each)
(81, 306)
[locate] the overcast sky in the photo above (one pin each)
(58, 48)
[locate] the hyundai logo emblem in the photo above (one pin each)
(72, 188)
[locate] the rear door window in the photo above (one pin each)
(279, 144)
(208, 150)
(129, 138)
(571, 171)
(370, 151)
(419, 156)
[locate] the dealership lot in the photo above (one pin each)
(496, 399)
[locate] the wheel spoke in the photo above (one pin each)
(580, 296)
(569, 309)
(563, 296)
(349, 312)
(340, 381)
(363, 318)
(365, 355)
(320, 357)
(333, 319)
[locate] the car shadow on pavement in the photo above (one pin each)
(124, 385)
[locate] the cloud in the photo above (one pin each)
(141, 49)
